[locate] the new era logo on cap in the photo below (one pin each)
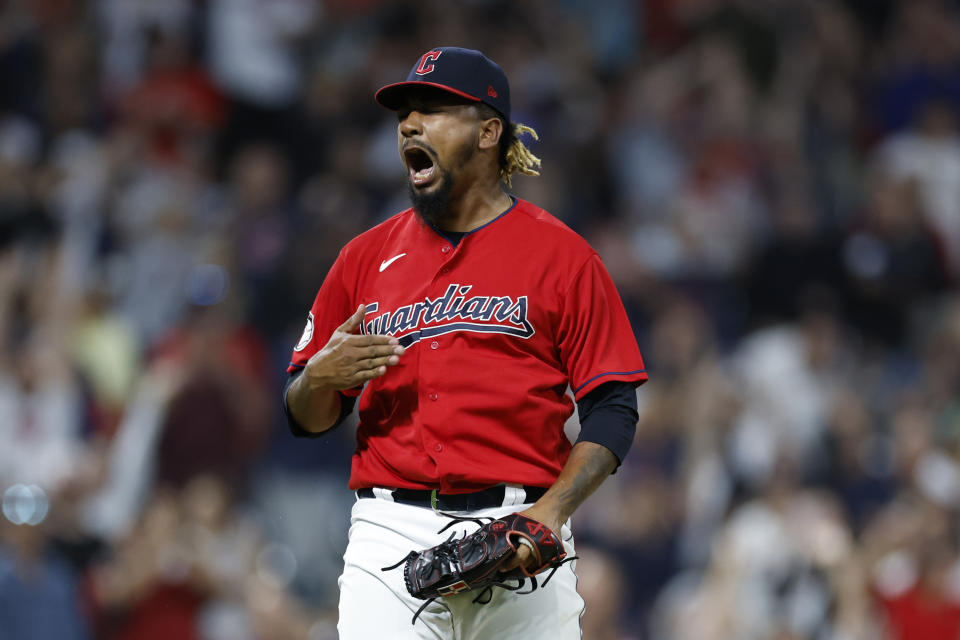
(463, 72)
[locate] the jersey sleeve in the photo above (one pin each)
(595, 338)
(331, 308)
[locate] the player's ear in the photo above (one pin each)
(490, 131)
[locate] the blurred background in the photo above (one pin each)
(773, 184)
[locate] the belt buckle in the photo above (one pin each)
(433, 500)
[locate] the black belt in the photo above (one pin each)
(431, 499)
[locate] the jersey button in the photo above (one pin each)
(444, 271)
(434, 345)
(445, 249)
(438, 447)
(433, 396)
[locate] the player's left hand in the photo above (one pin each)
(524, 556)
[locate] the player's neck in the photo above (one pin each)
(476, 207)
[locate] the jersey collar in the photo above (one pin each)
(444, 235)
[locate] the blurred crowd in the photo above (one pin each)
(773, 184)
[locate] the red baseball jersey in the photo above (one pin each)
(496, 328)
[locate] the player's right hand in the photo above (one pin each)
(349, 359)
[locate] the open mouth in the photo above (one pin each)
(420, 166)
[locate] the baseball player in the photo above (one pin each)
(459, 325)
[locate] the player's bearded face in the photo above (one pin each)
(431, 181)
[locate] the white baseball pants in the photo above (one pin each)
(375, 604)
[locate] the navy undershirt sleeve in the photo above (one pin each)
(608, 417)
(346, 407)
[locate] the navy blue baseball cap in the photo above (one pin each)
(462, 72)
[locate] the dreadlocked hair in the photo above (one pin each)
(513, 155)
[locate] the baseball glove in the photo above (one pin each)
(473, 562)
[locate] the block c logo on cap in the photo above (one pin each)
(426, 62)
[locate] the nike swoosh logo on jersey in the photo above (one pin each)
(387, 263)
